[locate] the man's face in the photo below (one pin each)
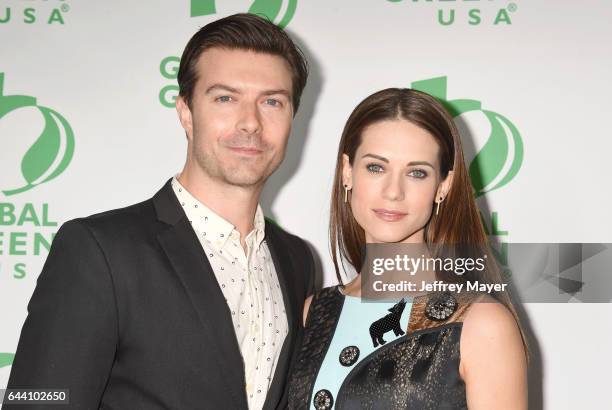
(240, 116)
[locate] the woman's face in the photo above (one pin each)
(395, 179)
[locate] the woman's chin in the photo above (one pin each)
(388, 238)
(395, 236)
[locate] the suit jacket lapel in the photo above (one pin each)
(185, 253)
(283, 266)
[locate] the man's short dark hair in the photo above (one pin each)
(242, 31)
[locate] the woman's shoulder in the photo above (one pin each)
(488, 320)
(485, 317)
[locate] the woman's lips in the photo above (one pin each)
(389, 215)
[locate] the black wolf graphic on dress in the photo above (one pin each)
(390, 322)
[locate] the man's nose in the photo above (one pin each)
(249, 121)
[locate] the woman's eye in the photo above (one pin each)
(418, 173)
(224, 98)
(374, 168)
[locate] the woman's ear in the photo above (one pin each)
(445, 186)
(347, 171)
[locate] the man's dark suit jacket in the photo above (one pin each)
(127, 314)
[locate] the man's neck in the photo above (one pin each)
(237, 205)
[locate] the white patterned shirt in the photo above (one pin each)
(250, 286)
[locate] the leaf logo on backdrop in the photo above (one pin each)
(6, 359)
(278, 11)
(501, 155)
(51, 152)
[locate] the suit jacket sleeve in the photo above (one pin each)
(70, 336)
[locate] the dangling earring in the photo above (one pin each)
(346, 189)
(438, 207)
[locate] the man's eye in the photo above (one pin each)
(223, 98)
(374, 168)
(273, 102)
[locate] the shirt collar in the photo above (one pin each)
(213, 227)
(259, 225)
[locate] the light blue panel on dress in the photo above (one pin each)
(354, 330)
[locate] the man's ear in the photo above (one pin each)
(347, 171)
(445, 186)
(184, 114)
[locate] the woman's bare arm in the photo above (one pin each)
(493, 362)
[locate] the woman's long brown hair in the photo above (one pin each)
(458, 221)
